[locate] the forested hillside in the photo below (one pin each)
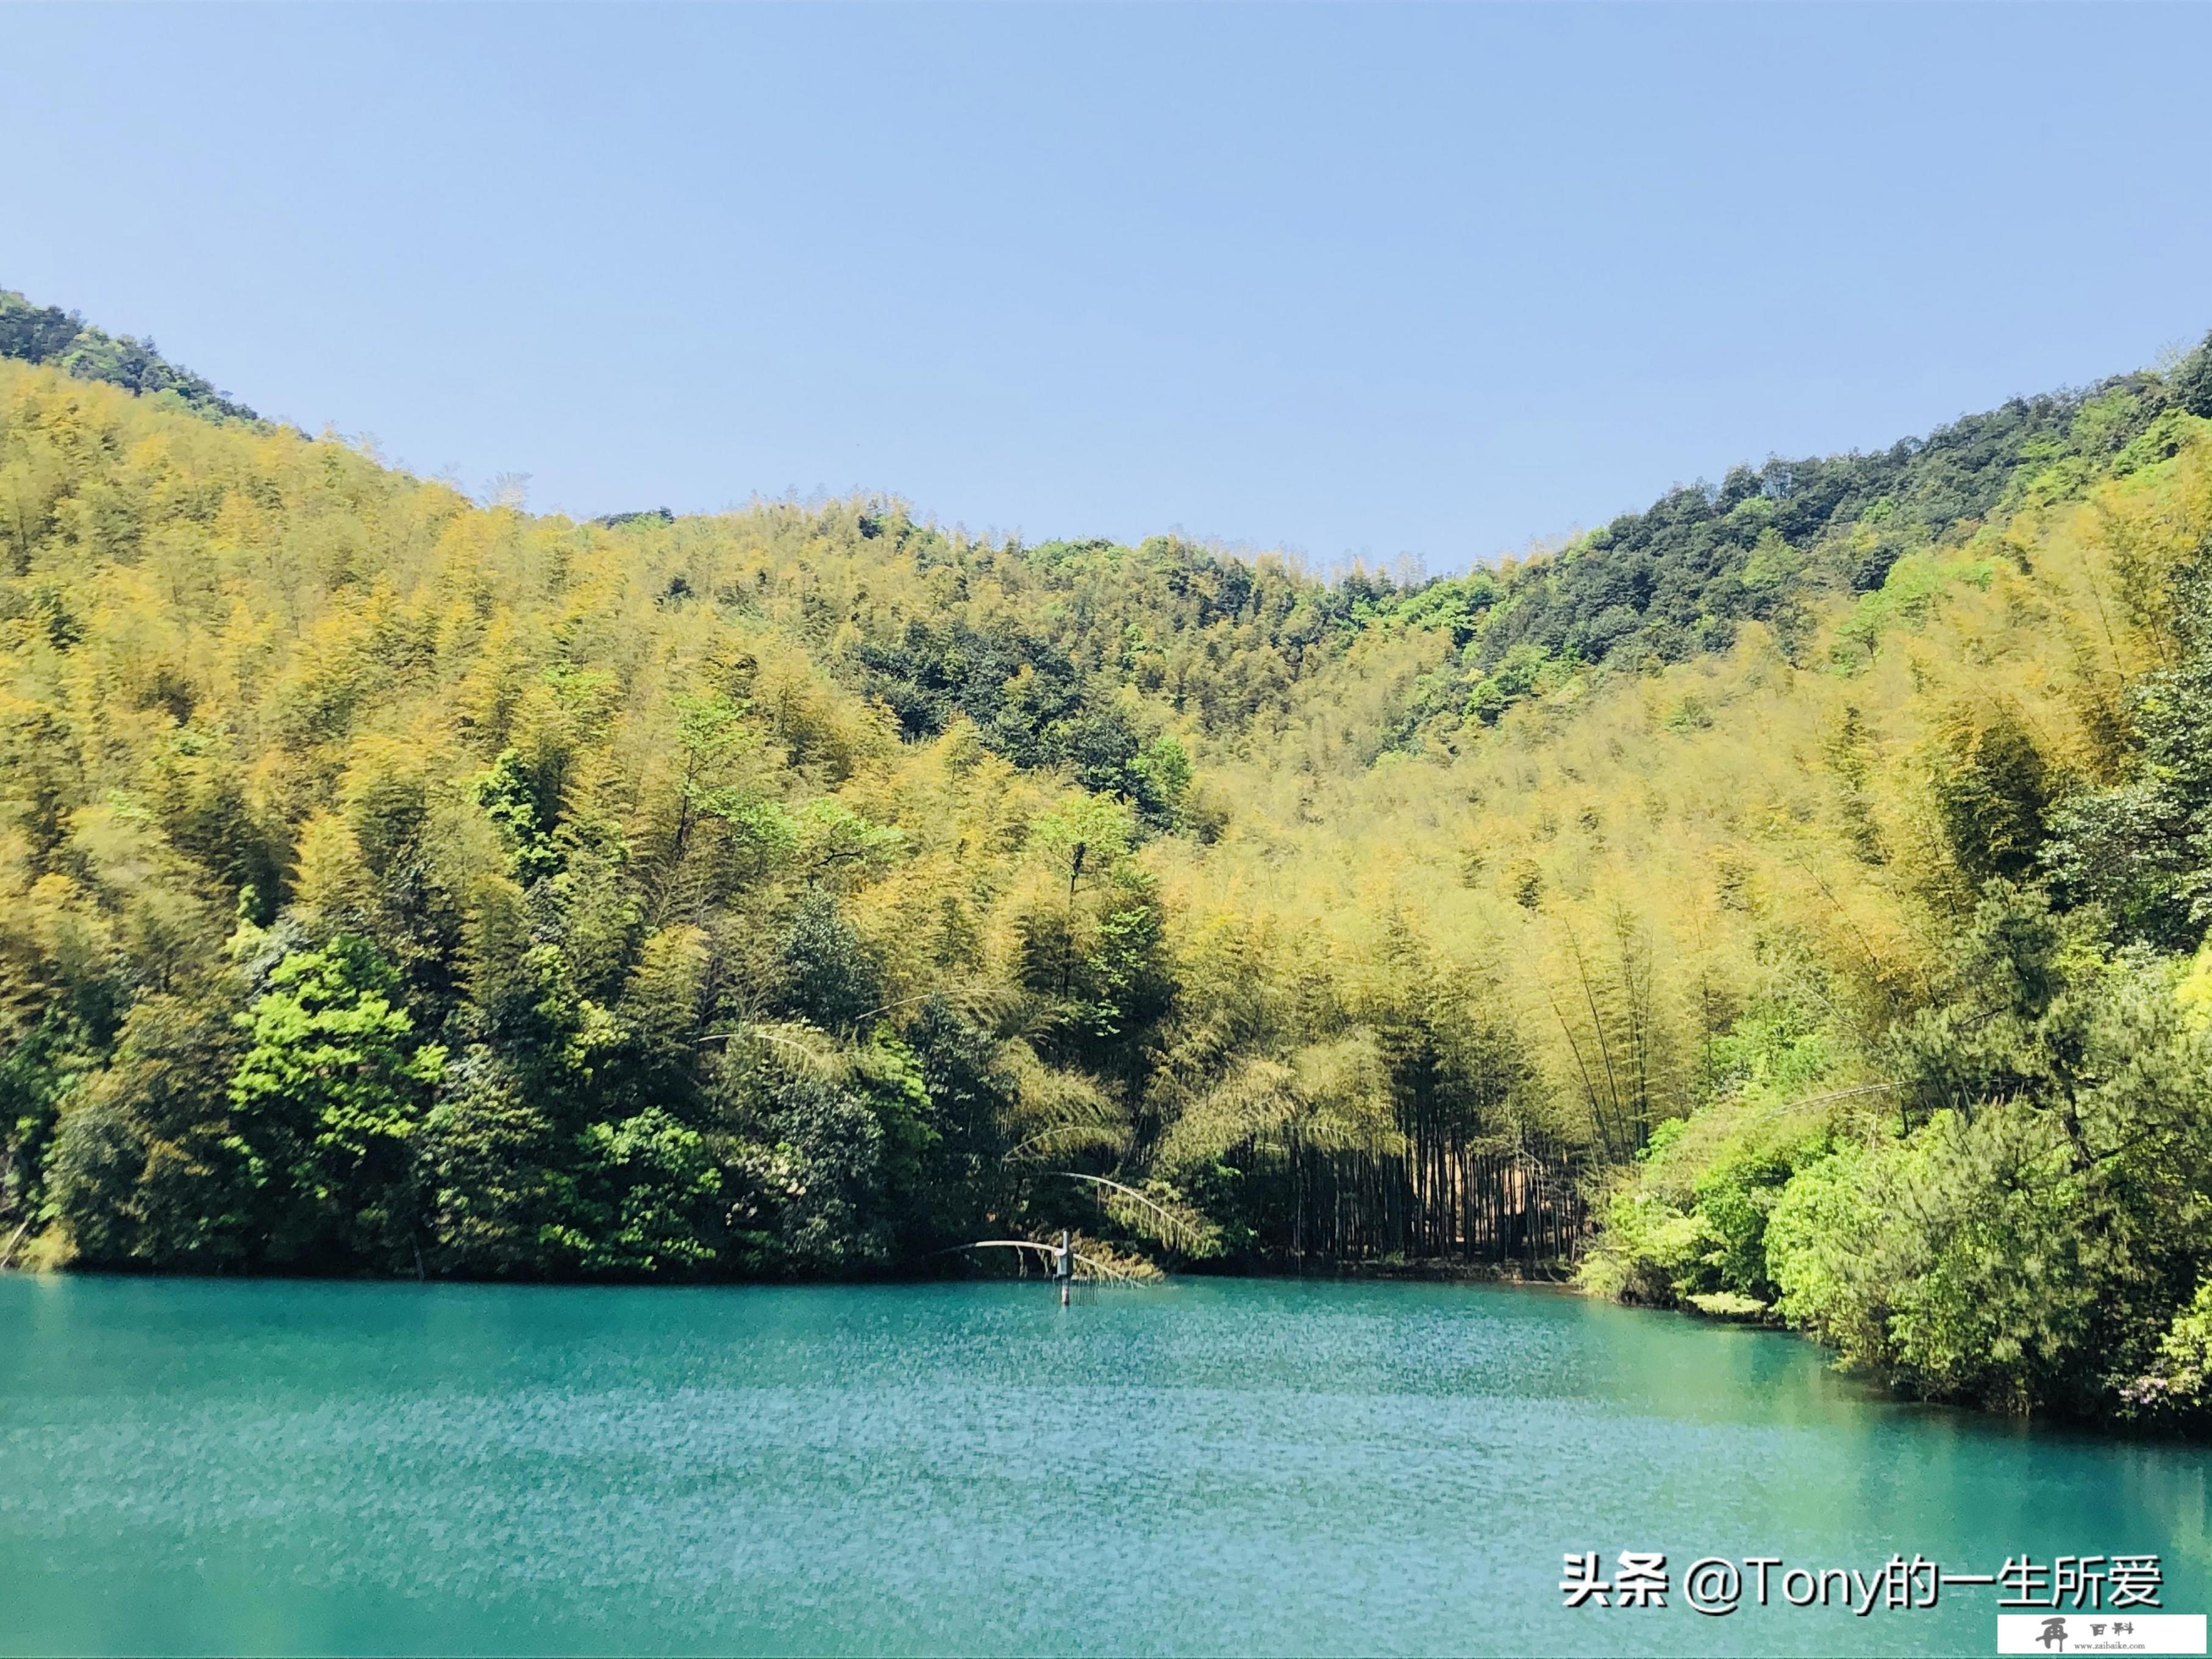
(1804, 878)
(47, 334)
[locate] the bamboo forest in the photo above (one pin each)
(1787, 902)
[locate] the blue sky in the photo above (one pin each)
(1357, 281)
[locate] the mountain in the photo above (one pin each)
(32, 334)
(1787, 902)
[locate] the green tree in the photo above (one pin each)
(649, 1200)
(327, 1101)
(2142, 848)
(1992, 786)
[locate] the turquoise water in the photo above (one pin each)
(1211, 1466)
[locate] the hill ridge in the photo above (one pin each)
(394, 883)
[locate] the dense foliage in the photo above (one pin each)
(410, 886)
(1997, 1191)
(35, 334)
(1765, 544)
(1810, 873)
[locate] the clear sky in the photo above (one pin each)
(1356, 281)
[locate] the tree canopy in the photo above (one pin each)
(1789, 901)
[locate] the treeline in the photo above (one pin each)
(1767, 542)
(47, 334)
(2000, 1192)
(396, 884)
(405, 886)
(1988, 1175)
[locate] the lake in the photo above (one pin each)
(1207, 1466)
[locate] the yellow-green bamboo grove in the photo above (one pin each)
(1787, 902)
